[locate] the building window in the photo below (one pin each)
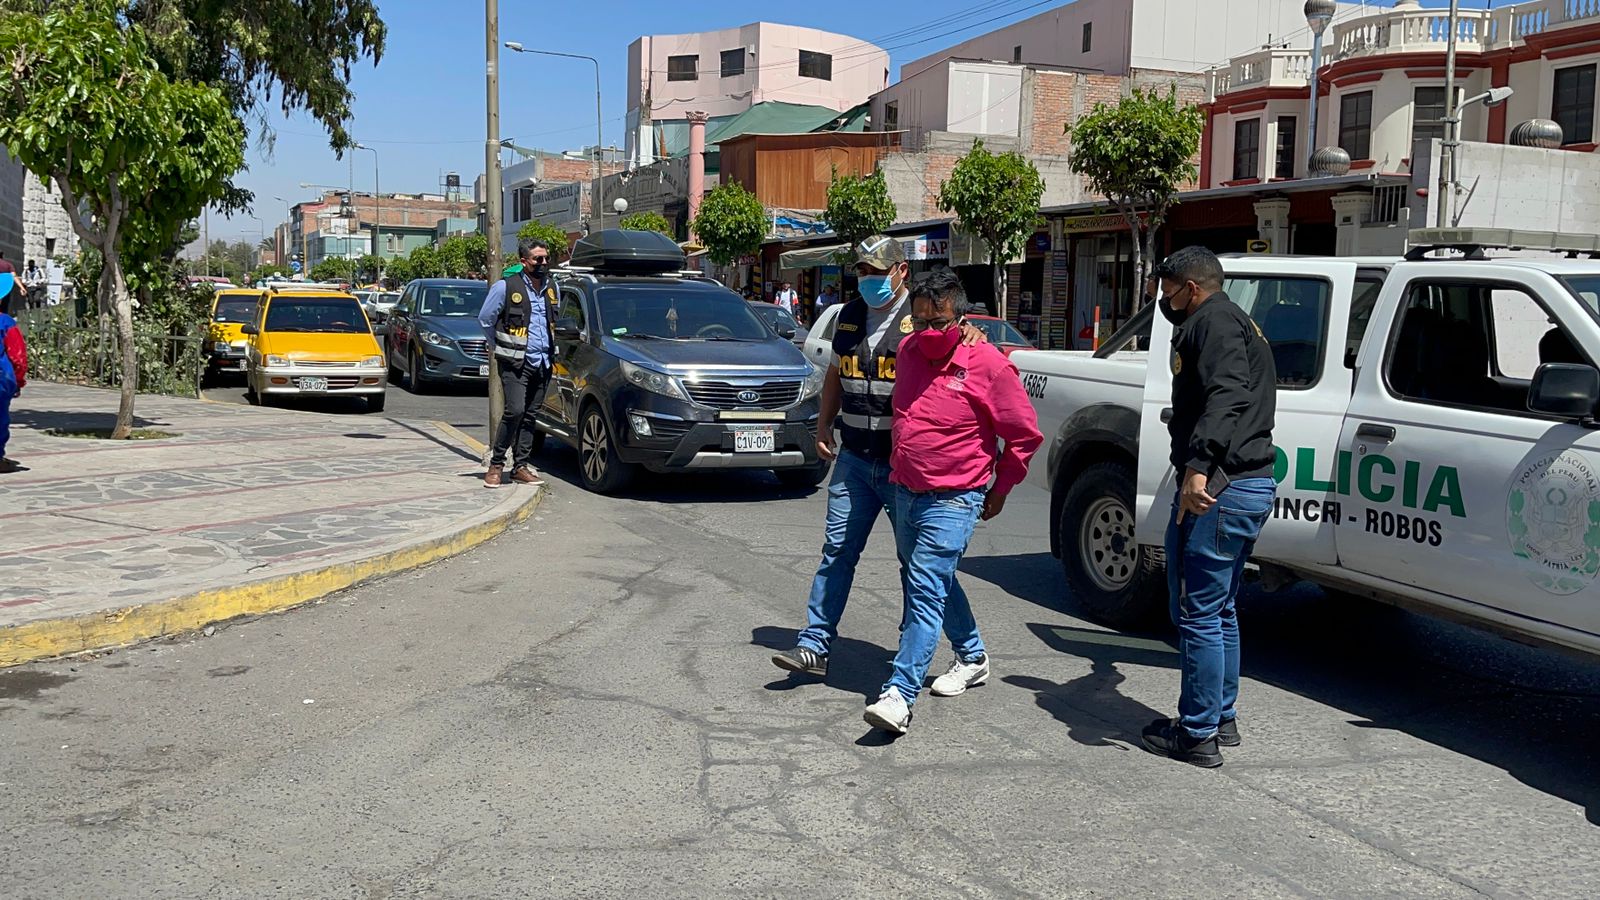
(891, 115)
(816, 65)
(732, 63)
(522, 199)
(1016, 53)
(1355, 124)
(683, 68)
(1088, 36)
(1246, 149)
(1283, 166)
(1573, 108)
(1427, 113)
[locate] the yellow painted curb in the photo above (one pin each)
(119, 627)
(468, 440)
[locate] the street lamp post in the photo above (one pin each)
(599, 123)
(1318, 14)
(1452, 120)
(377, 213)
(261, 228)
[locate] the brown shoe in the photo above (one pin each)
(526, 475)
(495, 476)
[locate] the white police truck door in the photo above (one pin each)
(1303, 307)
(1454, 485)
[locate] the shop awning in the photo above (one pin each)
(811, 257)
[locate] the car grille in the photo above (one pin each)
(669, 428)
(721, 395)
(480, 349)
(314, 364)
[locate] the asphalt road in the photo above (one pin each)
(466, 406)
(585, 708)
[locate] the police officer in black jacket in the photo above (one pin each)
(1223, 404)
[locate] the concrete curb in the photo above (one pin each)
(120, 627)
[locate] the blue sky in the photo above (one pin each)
(422, 107)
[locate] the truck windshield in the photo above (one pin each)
(1587, 287)
(671, 312)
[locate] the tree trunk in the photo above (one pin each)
(999, 271)
(114, 293)
(1149, 256)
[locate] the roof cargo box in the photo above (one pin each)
(619, 250)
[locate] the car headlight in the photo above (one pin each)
(429, 337)
(372, 362)
(220, 346)
(813, 383)
(653, 381)
(277, 361)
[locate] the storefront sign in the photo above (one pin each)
(1258, 246)
(924, 247)
(1081, 224)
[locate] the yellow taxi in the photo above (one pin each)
(313, 341)
(231, 310)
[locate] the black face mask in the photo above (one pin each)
(539, 268)
(1173, 316)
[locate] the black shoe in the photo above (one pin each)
(1165, 738)
(1228, 733)
(803, 660)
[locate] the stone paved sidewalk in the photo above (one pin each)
(241, 497)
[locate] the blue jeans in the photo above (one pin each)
(1205, 564)
(857, 492)
(931, 532)
(5, 419)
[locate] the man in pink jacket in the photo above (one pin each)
(954, 405)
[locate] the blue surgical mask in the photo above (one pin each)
(877, 290)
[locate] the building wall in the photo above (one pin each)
(47, 231)
(1052, 38)
(12, 176)
(1518, 187)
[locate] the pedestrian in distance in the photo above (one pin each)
(519, 316)
(13, 363)
(787, 298)
(857, 397)
(1223, 405)
(964, 431)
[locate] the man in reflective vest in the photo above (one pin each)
(519, 316)
(857, 397)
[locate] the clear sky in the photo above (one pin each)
(422, 106)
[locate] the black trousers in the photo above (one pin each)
(523, 384)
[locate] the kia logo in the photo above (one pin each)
(749, 397)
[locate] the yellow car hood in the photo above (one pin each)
(321, 347)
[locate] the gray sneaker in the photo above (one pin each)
(961, 676)
(803, 660)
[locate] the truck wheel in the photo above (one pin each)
(1110, 576)
(600, 469)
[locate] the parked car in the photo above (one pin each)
(434, 336)
(1435, 430)
(313, 342)
(668, 371)
(378, 304)
(781, 321)
(1001, 334)
(231, 310)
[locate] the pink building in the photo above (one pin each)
(723, 73)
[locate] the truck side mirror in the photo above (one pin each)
(250, 329)
(786, 332)
(567, 328)
(1564, 389)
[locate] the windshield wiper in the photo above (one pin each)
(640, 335)
(723, 337)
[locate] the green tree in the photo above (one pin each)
(268, 245)
(1138, 152)
(647, 221)
(731, 223)
(425, 263)
(464, 254)
(334, 270)
(368, 267)
(997, 199)
(858, 206)
(270, 271)
(135, 155)
(397, 271)
(550, 234)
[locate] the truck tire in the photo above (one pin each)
(600, 469)
(1111, 578)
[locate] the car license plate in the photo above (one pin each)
(242, 364)
(753, 440)
(483, 371)
(314, 385)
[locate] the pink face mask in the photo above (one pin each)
(936, 345)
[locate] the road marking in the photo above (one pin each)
(470, 442)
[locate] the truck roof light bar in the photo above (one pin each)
(1472, 242)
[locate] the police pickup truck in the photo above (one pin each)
(1437, 437)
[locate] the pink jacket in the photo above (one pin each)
(949, 421)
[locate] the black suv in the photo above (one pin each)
(665, 370)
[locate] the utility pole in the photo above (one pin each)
(207, 240)
(1452, 121)
(491, 182)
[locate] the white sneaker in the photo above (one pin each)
(961, 676)
(890, 713)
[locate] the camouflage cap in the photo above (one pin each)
(880, 252)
